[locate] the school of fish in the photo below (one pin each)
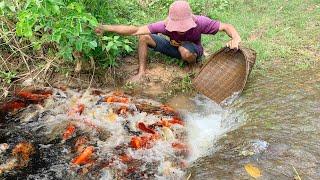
(103, 135)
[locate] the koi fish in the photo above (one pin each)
(143, 142)
(78, 109)
(113, 99)
(69, 131)
(84, 157)
(12, 106)
(125, 158)
(179, 146)
(32, 96)
(145, 128)
(183, 149)
(176, 120)
(168, 123)
(22, 152)
(122, 110)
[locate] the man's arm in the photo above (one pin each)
(123, 30)
(232, 32)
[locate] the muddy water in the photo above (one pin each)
(280, 135)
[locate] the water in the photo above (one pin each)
(280, 135)
(83, 135)
(207, 123)
(274, 126)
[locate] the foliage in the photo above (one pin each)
(186, 84)
(7, 76)
(69, 27)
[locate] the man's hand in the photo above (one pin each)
(100, 30)
(234, 43)
(232, 32)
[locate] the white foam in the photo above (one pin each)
(207, 124)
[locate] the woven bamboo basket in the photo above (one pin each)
(225, 73)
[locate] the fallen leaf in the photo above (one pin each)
(252, 170)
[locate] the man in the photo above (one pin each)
(184, 30)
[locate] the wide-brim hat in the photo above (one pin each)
(180, 17)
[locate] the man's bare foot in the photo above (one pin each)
(189, 68)
(137, 78)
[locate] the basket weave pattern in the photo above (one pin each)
(225, 73)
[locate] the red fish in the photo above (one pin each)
(144, 141)
(32, 96)
(69, 131)
(176, 120)
(136, 142)
(12, 106)
(183, 149)
(78, 109)
(125, 158)
(145, 128)
(112, 99)
(84, 157)
(179, 146)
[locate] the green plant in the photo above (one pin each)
(7, 76)
(113, 46)
(71, 28)
(186, 84)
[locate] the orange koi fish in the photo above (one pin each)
(23, 151)
(113, 99)
(78, 109)
(125, 158)
(176, 120)
(69, 131)
(32, 96)
(144, 141)
(84, 157)
(181, 148)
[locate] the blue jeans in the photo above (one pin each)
(164, 46)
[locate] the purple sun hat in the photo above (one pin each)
(180, 17)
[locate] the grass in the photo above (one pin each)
(275, 29)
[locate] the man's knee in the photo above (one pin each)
(147, 39)
(187, 55)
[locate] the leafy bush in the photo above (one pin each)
(70, 27)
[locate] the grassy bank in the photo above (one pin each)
(280, 31)
(285, 35)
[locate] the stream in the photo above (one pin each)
(274, 126)
(280, 135)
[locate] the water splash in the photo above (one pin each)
(207, 123)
